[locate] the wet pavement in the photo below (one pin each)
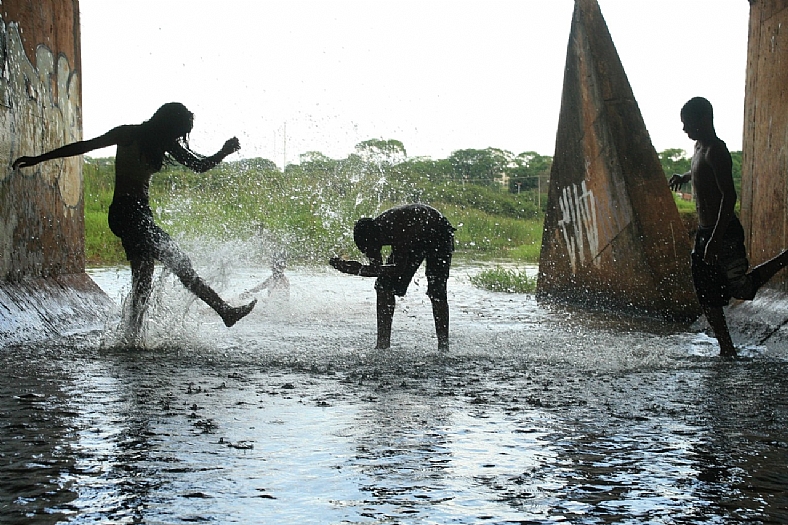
(535, 415)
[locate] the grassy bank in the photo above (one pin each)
(312, 213)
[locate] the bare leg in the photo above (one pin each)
(180, 264)
(765, 271)
(386, 303)
(440, 312)
(141, 284)
(229, 314)
(716, 318)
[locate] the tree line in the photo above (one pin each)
(483, 167)
(496, 198)
(312, 205)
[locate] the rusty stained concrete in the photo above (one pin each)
(43, 285)
(612, 236)
(764, 198)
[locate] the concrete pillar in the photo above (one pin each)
(43, 287)
(764, 198)
(612, 235)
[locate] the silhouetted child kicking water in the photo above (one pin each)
(142, 150)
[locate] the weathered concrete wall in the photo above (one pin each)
(41, 208)
(612, 234)
(42, 214)
(764, 198)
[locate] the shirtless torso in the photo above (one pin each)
(712, 178)
(132, 171)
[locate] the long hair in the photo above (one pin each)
(169, 125)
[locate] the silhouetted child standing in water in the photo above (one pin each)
(719, 258)
(142, 150)
(277, 284)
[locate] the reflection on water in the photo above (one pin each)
(534, 416)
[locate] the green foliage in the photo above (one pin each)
(420, 168)
(479, 166)
(528, 252)
(674, 161)
(379, 151)
(530, 171)
(313, 205)
(500, 279)
(101, 245)
(489, 199)
(736, 169)
(684, 206)
(478, 231)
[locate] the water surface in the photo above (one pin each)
(535, 415)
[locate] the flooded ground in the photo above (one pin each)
(535, 415)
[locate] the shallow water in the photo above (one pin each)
(535, 415)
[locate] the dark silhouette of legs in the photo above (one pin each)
(440, 312)
(141, 284)
(437, 277)
(386, 303)
(765, 271)
(760, 274)
(171, 256)
(229, 314)
(716, 318)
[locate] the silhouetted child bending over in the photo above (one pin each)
(415, 232)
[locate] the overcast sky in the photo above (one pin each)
(437, 75)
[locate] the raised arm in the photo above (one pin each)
(110, 138)
(203, 164)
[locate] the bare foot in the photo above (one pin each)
(236, 313)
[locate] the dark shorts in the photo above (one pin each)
(715, 284)
(132, 221)
(438, 256)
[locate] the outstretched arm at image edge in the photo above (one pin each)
(70, 150)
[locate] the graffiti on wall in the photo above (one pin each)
(578, 225)
(39, 111)
(39, 108)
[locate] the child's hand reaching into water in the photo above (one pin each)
(349, 267)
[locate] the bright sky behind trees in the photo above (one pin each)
(438, 76)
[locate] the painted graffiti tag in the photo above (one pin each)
(579, 224)
(31, 95)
